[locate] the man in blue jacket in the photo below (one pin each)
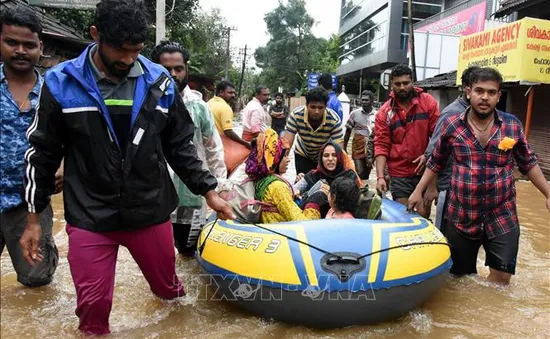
(117, 118)
(325, 81)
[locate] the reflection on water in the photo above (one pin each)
(464, 308)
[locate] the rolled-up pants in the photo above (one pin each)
(92, 258)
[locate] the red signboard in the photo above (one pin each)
(468, 21)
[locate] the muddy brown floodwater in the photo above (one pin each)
(464, 308)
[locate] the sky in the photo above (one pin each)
(248, 17)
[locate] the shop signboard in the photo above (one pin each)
(519, 50)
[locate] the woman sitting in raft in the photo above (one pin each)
(268, 160)
(332, 164)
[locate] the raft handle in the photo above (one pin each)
(343, 259)
(343, 264)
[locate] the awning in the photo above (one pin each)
(519, 50)
(511, 6)
(444, 80)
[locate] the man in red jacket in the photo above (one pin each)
(404, 125)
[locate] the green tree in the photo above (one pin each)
(327, 60)
(205, 40)
(293, 50)
(79, 19)
(201, 33)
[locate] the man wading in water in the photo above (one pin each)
(20, 87)
(484, 143)
(116, 117)
(190, 215)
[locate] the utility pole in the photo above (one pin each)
(228, 60)
(411, 38)
(161, 21)
(242, 73)
(360, 82)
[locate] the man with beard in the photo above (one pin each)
(279, 114)
(117, 118)
(484, 144)
(444, 177)
(404, 125)
(190, 216)
(362, 122)
(20, 84)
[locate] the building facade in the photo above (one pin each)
(374, 36)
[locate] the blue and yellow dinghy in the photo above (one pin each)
(327, 273)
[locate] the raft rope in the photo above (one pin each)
(339, 257)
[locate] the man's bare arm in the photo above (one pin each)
(233, 136)
(289, 137)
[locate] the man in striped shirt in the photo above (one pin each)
(315, 124)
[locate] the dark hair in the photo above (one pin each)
(346, 194)
(325, 81)
(258, 90)
(121, 22)
(317, 94)
(368, 94)
(279, 94)
(486, 74)
(166, 46)
(21, 16)
(222, 86)
(401, 70)
(465, 78)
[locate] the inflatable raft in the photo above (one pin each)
(327, 273)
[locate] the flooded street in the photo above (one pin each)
(463, 308)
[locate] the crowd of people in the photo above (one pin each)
(139, 157)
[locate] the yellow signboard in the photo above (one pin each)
(519, 50)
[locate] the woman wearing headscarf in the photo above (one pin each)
(266, 162)
(333, 163)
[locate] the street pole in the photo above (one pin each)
(242, 74)
(360, 82)
(227, 61)
(411, 38)
(161, 21)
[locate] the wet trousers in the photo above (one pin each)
(12, 226)
(92, 258)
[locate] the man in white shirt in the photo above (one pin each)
(255, 118)
(361, 121)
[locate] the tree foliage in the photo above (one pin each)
(292, 50)
(79, 19)
(206, 41)
(200, 32)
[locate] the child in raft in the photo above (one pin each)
(343, 198)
